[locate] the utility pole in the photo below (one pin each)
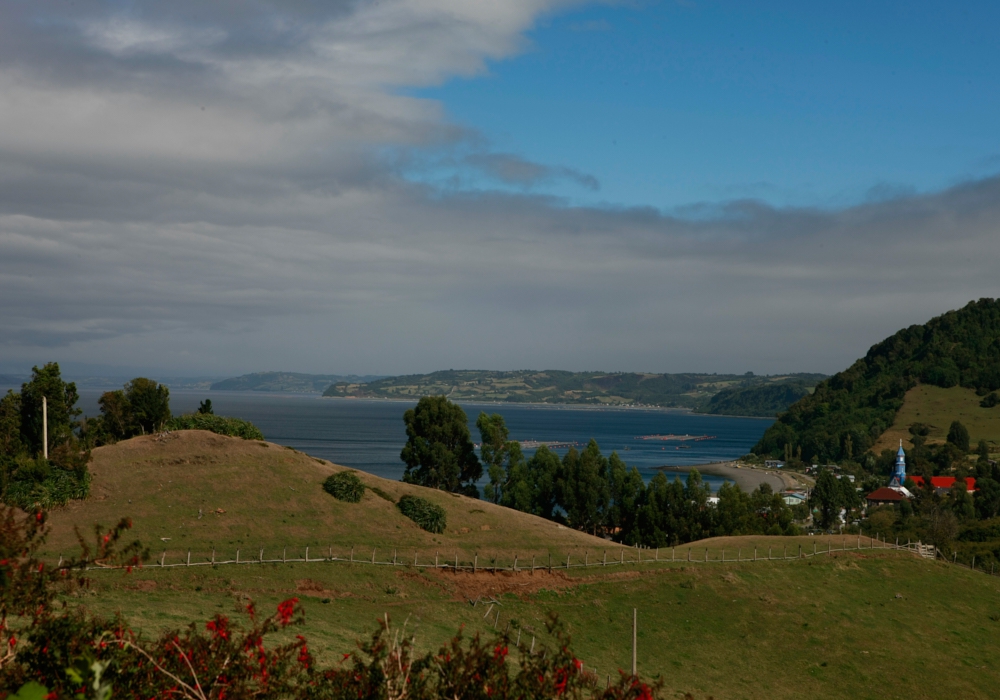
(635, 624)
(45, 428)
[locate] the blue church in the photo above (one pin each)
(899, 471)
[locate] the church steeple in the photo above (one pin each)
(899, 471)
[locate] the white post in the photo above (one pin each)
(635, 623)
(45, 428)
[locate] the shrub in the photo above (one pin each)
(233, 427)
(344, 486)
(428, 516)
(382, 494)
(990, 401)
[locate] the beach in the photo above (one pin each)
(748, 478)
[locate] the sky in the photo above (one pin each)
(401, 186)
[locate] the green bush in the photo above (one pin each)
(58, 487)
(344, 486)
(990, 401)
(233, 427)
(424, 513)
(382, 494)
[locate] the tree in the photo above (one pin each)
(583, 491)
(205, 408)
(532, 485)
(10, 425)
(149, 404)
(958, 435)
(439, 452)
(987, 498)
(61, 398)
(627, 491)
(141, 407)
(827, 496)
(493, 451)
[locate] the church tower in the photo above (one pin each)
(899, 471)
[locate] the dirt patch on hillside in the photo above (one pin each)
(315, 589)
(468, 586)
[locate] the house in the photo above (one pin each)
(774, 464)
(794, 498)
(885, 495)
(944, 483)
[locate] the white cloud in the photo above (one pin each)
(201, 188)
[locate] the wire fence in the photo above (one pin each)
(626, 557)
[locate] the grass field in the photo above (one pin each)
(861, 624)
(937, 408)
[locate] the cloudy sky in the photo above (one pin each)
(394, 186)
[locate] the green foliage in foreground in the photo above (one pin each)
(849, 411)
(223, 425)
(60, 652)
(344, 486)
(427, 515)
(26, 477)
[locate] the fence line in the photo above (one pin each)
(652, 556)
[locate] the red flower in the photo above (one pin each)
(12, 641)
(286, 609)
(499, 653)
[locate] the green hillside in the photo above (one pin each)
(556, 386)
(763, 400)
(828, 626)
(847, 413)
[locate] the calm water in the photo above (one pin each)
(369, 435)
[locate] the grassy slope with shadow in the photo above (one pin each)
(827, 627)
(273, 498)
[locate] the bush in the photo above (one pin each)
(344, 486)
(990, 401)
(57, 487)
(233, 427)
(424, 513)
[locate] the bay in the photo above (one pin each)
(369, 434)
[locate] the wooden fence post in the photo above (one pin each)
(261, 555)
(163, 558)
(284, 555)
(189, 558)
(394, 556)
(237, 556)
(307, 555)
(213, 556)
(373, 555)
(605, 557)
(567, 562)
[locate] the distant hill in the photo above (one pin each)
(560, 387)
(762, 400)
(287, 382)
(847, 413)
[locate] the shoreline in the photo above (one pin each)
(747, 478)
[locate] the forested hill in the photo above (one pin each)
(555, 386)
(846, 413)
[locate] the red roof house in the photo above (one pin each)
(945, 482)
(884, 495)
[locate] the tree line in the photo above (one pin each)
(584, 489)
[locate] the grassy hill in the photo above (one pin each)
(172, 487)
(555, 386)
(936, 408)
(847, 413)
(861, 624)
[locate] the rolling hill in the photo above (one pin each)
(828, 626)
(285, 382)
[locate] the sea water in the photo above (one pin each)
(369, 434)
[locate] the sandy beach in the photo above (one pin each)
(748, 479)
